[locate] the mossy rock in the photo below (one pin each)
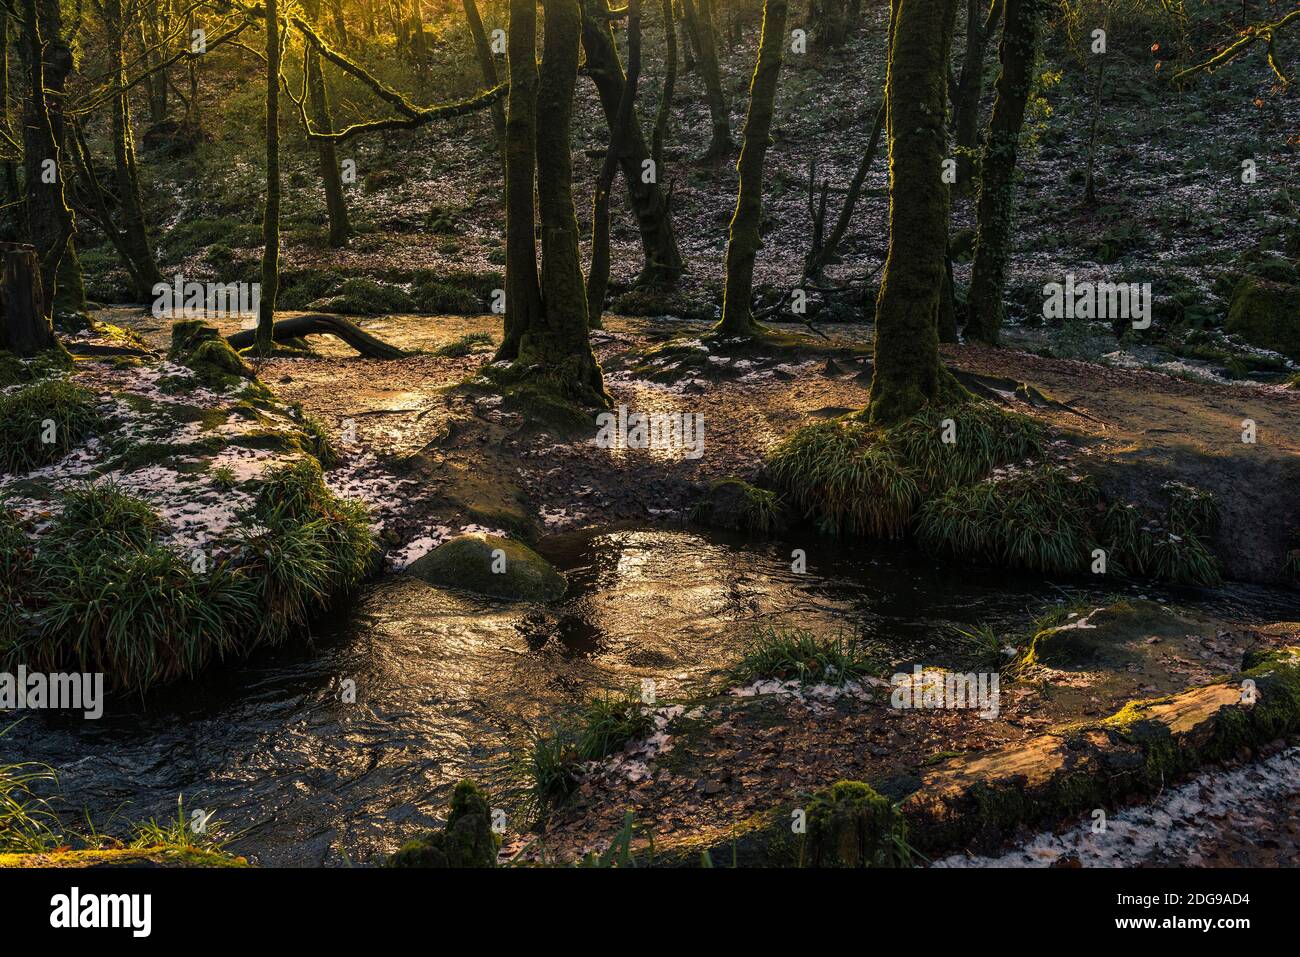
(188, 335)
(851, 825)
(1266, 314)
(203, 349)
(733, 503)
(468, 562)
(467, 839)
(1111, 638)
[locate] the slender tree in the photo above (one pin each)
(743, 241)
(523, 287)
(660, 133)
(1017, 53)
(271, 211)
(698, 15)
(598, 273)
(557, 339)
(907, 370)
(130, 221)
(981, 23)
(487, 68)
(336, 204)
(663, 260)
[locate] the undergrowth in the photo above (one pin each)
(103, 593)
(795, 654)
(599, 728)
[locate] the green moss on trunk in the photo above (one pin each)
(743, 241)
(997, 169)
(908, 374)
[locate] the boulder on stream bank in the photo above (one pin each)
(490, 565)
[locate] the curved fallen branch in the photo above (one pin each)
(321, 324)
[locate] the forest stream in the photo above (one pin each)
(449, 686)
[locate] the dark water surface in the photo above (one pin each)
(450, 686)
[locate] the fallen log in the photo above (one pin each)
(318, 324)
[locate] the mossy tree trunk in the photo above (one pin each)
(336, 203)
(908, 374)
(1017, 53)
(598, 273)
(980, 25)
(271, 211)
(12, 225)
(557, 341)
(488, 69)
(523, 288)
(743, 241)
(48, 60)
(699, 21)
(663, 260)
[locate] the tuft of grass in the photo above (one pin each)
(25, 819)
(1171, 548)
(178, 835)
(317, 441)
(99, 515)
(794, 654)
(599, 728)
(1037, 518)
(465, 345)
(103, 594)
(840, 475)
(984, 436)
(53, 410)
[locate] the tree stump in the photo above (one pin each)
(24, 328)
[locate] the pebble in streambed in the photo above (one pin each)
(1244, 816)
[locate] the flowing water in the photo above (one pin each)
(449, 686)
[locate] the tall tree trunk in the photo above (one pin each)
(271, 212)
(980, 25)
(907, 370)
(699, 20)
(523, 288)
(336, 203)
(997, 169)
(13, 226)
(598, 274)
(557, 340)
(155, 83)
(743, 241)
(663, 260)
(49, 219)
(487, 68)
(135, 237)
